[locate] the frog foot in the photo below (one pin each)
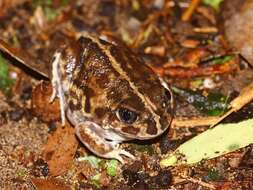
(96, 139)
(117, 155)
(57, 85)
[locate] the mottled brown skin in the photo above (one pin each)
(102, 89)
(98, 79)
(94, 79)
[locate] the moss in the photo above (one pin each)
(5, 81)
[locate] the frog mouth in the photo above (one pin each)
(110, 134)
(141, 135)
(101, 131)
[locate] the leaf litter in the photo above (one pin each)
(174, 49)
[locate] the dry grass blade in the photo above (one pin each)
(24, 58)
(5, 5)
(244, 97)
(194, 122)
(188, 13)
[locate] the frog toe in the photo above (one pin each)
(117, 155)
(57, 85)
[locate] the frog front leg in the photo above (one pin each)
(56, 82)
(95, 139)
(102, 141)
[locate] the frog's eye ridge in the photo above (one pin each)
(126, 115)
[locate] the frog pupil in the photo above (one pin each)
(126, 115)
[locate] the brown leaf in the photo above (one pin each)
(227, 185)
(104, 179)
(40, 103)
(190, 59)
(49, 184)
(202, 71)
(5, 5)
(155, 50)
(60, 149)
(87, 170)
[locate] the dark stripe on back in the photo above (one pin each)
(89, 93)
(141, 75)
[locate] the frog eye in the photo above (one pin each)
(126, 115)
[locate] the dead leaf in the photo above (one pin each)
(87, 170)
(41, 106)
(49, 184)
(6, 5)
(201, 71)
(104, 179)
(60, 149)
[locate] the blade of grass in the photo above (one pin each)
(222, 139)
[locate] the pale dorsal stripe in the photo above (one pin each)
(147, 102)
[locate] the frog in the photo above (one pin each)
(107, 93)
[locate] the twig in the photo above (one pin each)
(189, 11)
(207, 29)
(245, 96)
(202, 183)
(195, 122)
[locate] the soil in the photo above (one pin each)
(37, 152)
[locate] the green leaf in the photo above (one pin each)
(5, 81)
(64, 2)
(149, 149)
(50, 13)
(95, 180)
(222, 60)
(213, 105)
(213, 175)
(213, 3)
(22, 173)
(222, 139)
(135, 5)
(4, 69)
(47, 5)
(112, 167)
(196, 83)
(93, 160)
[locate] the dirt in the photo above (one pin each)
(237, 24)
(37, 152)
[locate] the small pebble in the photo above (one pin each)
(163, 179)
(142, 176)
(166, 145)
(133, 24)
(209, 83)
(130, 177)
(80, 25)
(83, 185)
(141, 186)
(3, 118)
(16, 115)
(125, 187)
(40, 167)
(51, 127)
(135, 167)
(26, 93)
(239, 177)
(159, 4)
(107, 8)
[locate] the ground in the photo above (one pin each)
(189, 50)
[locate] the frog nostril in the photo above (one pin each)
(168, 95)
(126, 115)
(168, 100)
